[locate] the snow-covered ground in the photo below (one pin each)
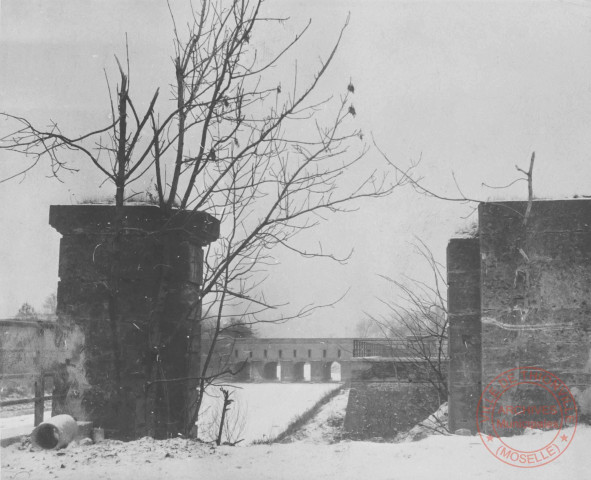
(260, 410)
(309, 453)
(19, 424)
(436, 457)
(326, 426)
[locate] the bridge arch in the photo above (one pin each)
(272, 371)
(335, 372)
(332, 372)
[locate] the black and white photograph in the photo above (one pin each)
(295, 239)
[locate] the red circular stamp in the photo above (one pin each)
(526, 400)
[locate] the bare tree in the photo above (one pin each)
(366, 328)
(420, 317)
(265, 156)
(417, 318)
(418, 184)
(223, 421)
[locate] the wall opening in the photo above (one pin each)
(307, 372)
(335, 372)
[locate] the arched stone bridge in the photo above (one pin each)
(300, 359)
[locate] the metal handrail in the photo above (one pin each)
(387, 348)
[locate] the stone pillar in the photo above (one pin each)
(288, 373)
(326, 372)
(535, 295)
(133, 293)
(298, 371)
(463, 294)
(317, 371)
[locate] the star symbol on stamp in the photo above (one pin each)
(489, 438)
(563, 437)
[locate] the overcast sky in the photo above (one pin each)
(470, 87)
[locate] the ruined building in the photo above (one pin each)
(519, 295)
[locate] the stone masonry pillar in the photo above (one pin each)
(536, 277)
(463, 293)
(317, 372)
(133, 293)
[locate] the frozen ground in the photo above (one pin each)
(310, 453)
(436, 457)
(17, 425)
(326, 426)
(260, 410)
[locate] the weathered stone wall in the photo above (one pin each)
(390, 370)
(388, 397)
(384, 409)
(463, 306)
(133, 294)
(536, 293)
(535, 304)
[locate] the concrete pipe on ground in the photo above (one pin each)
(57, 432)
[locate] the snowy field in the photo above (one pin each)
(260, 410)
(326, 426)
(18, 425)
(311, 452)
(436, 457)
(23, 421)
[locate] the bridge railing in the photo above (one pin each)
(377, 348)
(372, 347)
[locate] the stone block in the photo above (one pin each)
(132, 294)
(384, 409)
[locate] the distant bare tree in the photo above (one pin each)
(417, 317)
(367, 328)
(26, 312)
